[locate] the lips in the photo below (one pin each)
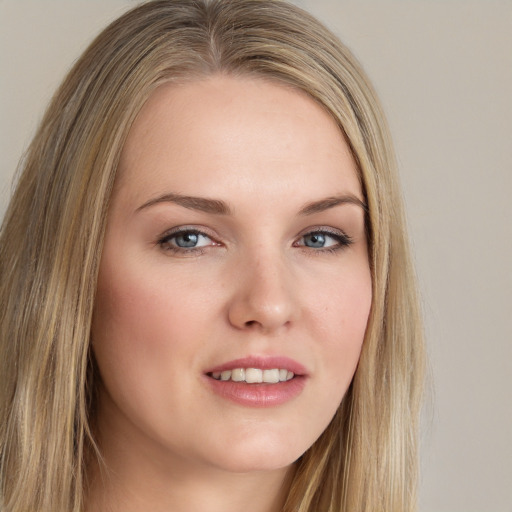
(258, 381)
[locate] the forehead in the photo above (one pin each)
(222, 133)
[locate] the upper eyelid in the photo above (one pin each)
(185, 229)
(324, 229)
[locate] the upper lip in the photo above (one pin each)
(262, 362)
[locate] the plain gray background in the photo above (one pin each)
(443, 69)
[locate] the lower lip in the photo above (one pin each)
(258, 395)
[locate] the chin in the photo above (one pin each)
(257, 464)
(263, 455)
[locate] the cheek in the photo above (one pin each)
(342, 319)
(125, 308)
(138, 316)
(145, 336)
(136, 325)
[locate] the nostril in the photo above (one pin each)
(257, 307)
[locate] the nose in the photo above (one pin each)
(263, 298)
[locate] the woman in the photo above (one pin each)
(206, 289)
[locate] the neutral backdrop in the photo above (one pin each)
(443, 70)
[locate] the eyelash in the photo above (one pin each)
(164, 241)
(343, 241)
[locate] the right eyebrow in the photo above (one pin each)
(203, 204)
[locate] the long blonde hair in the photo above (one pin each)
(51, 241)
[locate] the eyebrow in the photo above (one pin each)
(331, 202)
(218, 207)
(202, 204)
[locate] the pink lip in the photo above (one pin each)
(259, 395)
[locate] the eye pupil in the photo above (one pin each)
(314, 240)
(187, 240)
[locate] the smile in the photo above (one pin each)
(258, 381)
(254, 375)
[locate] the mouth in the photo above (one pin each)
(254, 375)
(258, 381)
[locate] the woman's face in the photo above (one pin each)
(235, 252)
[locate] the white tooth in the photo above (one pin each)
(216, 375)
(282, 375)
(225, 375)
(253, 375)
(238, 374)
(271, 376)
(290, 375)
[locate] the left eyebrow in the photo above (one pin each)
(331, 202)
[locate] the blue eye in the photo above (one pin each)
(315, 240)
(185, 240)
(324, 240)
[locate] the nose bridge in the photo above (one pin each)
(263, 296)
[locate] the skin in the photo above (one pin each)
(257, 285)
